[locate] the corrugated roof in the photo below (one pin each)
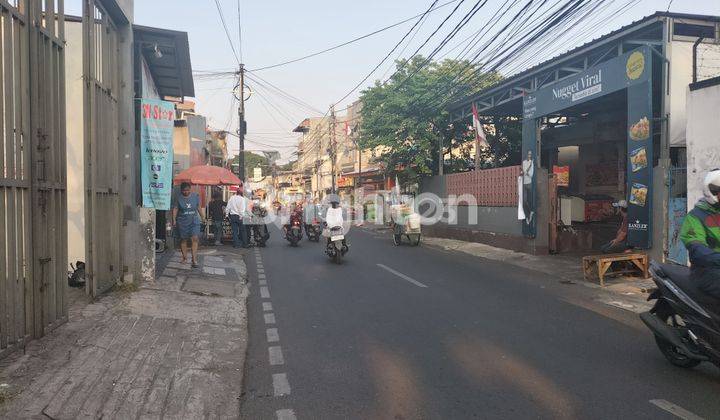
(560, 57)
(172, 70)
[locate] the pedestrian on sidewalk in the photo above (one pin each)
(217, 214)
(236, 209)
(186, 217)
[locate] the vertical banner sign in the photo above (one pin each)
(640, 153)
(157, 121)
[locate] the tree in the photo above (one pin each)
(406, 116)
(253, 161)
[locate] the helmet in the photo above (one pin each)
(711, 186)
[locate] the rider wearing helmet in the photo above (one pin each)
(700, 233)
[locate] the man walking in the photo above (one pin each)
(236, 209)
(217, 214)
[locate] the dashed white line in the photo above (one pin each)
(281, 386)
(275, 356)
(402, 276)
(264, 293)
(269, 318)
(272, 335)
(675, 410)
(286, 414)
(261, 270)
(261, 276)
(267, 306)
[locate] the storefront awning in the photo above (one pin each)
(167, 54)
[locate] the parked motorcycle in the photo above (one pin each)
(336, 245)
(684, 319)
(313, 230)
(293, 230)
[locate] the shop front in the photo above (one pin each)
(592, 135)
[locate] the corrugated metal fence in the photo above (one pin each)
(33, 213)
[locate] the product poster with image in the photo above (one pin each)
(157, 121)
(639, 146)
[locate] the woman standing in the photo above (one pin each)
(186, 218)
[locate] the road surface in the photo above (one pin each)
(420, 333)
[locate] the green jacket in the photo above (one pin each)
(700, 233)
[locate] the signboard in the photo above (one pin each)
(563, 175)
(631, 71)
(157, 120)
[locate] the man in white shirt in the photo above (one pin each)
(237, 209)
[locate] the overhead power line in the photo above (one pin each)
(227, 32)
(356, 39)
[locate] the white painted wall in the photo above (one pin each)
(75, 139)
(703, 138)
(681, 69)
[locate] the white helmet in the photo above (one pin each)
(711, 186)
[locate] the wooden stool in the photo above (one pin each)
(605, 261)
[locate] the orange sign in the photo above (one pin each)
(563, 175)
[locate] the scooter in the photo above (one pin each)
(293, 231)
(313, 230)
(686, 329)
(336, 245)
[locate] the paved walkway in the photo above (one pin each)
(175, 348)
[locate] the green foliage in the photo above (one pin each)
(505, 144)
(252, 161)
(408, 115)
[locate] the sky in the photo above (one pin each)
(279, 30)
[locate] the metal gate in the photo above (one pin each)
(33, 214)
(102, 152)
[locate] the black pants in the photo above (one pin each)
(527, 201)
(708, 280)
(609, 248)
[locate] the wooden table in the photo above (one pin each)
(604, 262)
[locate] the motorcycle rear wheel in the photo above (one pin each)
(672, 353)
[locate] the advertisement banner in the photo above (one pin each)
(157, 121)
(639, 172)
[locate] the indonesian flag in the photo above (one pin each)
(480, 138)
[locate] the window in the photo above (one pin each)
(694, 30)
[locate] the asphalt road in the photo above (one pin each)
(415, 333)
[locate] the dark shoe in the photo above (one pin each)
(194, 265)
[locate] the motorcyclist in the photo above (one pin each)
(700, 233)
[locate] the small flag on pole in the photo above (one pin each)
(480, 138)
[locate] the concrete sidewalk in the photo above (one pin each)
(174, 348)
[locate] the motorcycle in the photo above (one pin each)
(258, 230)
(313, 230)
(686, 330)
(293, 231)
(336, 246)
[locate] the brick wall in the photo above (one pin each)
(491, 187)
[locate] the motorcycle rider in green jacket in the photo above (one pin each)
(700, 233)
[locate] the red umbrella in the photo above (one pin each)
(207, 175)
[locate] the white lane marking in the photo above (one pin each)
(276, 356)
(267, 306)
(260, 267)
(286, 414)
(261, 276)
(402, 276)
(272, 335)
(675, 410)
(260, 270)
(281, 386)
(264, 293)
(269, 318)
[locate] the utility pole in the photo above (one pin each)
(242, 126)
(333, 146)
(441, 157)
